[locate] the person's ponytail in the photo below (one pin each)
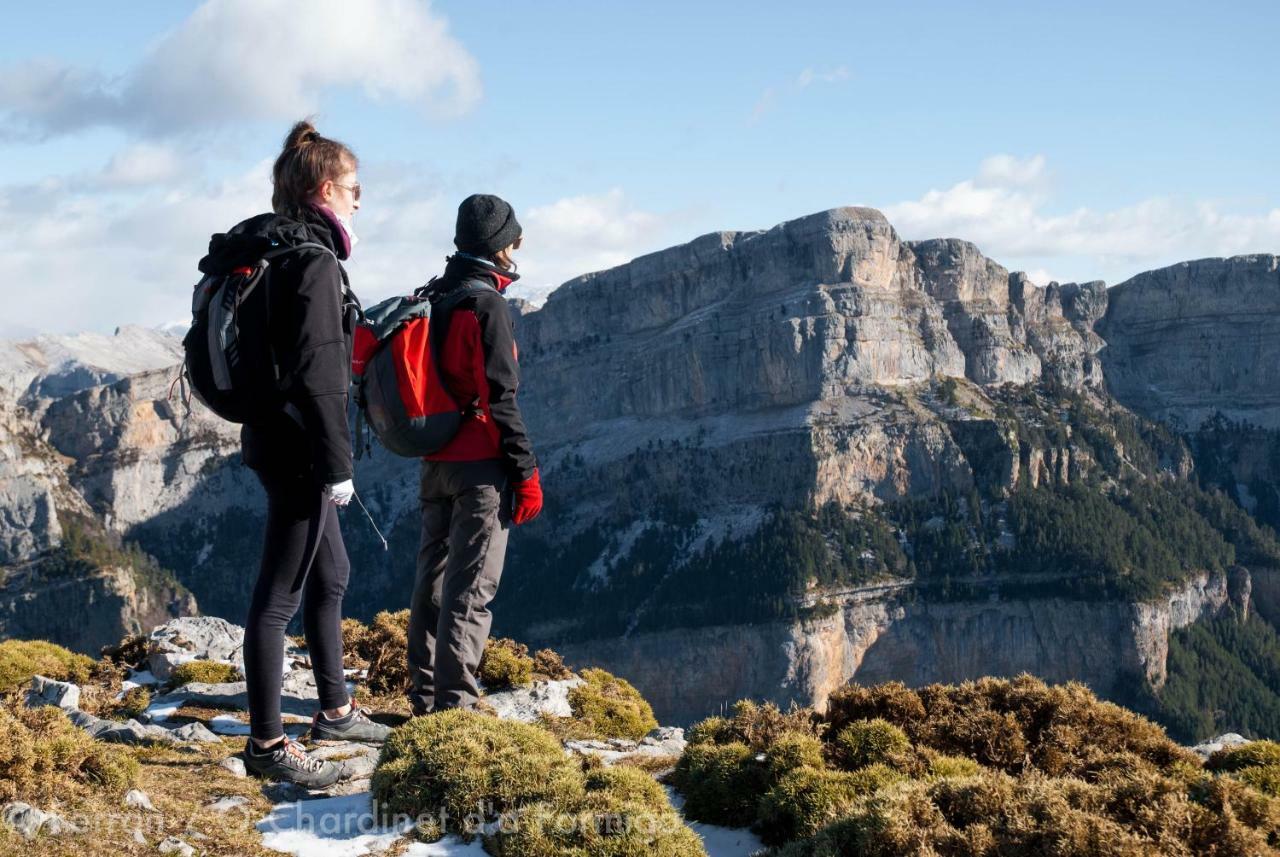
(307, 161)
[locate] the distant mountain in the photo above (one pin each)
(776, 461)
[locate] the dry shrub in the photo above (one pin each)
(135, 701)
(756, 725)
(806, 799)
(870, 742)
(721, 783)
(505, 664)
(382, 648)
(549, 665)
(43, 756)
(130, 653)
(1010, 724)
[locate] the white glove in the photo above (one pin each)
(341, 493)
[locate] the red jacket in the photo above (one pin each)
(479, 363)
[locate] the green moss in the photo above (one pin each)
(721, 783)
(43, 756)
(611, 706)
(22, 659)
(204, 672)
(504, 664)
(870, 742)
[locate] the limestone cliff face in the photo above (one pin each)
(888, 632)
(1198, 338)
(89, 610)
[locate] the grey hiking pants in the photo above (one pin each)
(466, 512)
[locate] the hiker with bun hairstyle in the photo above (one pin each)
(301, 450)
(486, 477)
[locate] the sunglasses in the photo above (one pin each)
(354, 188)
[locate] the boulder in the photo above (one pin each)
(31, 822)
(47, 691)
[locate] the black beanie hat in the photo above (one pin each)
(486, 224)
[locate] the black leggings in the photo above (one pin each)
(302, 554)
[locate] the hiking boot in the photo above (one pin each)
(290, 763)
(355, 725)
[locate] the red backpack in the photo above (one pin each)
(395, 368)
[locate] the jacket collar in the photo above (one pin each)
(463, 266)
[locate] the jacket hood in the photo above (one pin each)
(244, 243)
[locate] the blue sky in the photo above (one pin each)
(1075, 142)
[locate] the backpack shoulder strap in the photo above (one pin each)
(443, 303)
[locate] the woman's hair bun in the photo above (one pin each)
(301, 134)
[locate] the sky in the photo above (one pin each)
(1073, 141)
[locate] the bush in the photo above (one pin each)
(131, 652)
(203, 672)
(806, 799)
(942, 766)
(457, 760)
(870, 742)
(550, 665)
(20, 660)
(467, 770)
(758, 726)
(135, 701)
(622, 813)
(44, 756)
(793, 750)
(721, 783)
(382, 648)
(611, 706)
(1252, 755)
(505, 663)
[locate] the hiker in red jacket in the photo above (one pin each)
(485, 479)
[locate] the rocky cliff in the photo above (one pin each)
(679, 401)
(1197, 339)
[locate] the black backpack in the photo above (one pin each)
(231, 362)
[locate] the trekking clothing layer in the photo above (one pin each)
(465, 520)
(478, 362)
(303, 562)
(312, 321)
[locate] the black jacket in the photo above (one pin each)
(313, 316)
(479, 361)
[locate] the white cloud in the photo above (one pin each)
(1008, 211)
(142, 164)
(580, 234)
(252, 59)
(807, 78)
(810, 76)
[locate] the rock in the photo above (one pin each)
(138, 837)
(138, 799)
(666, 739)
(174, 845)
(227, 804)
(298, 697)
(194, 637)
(1198, 338)
(47, 691)
(1206, 749)
(235, 765)
(527, 703)
(31, 822)
(195, 732)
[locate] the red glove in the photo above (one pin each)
(528, 499)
